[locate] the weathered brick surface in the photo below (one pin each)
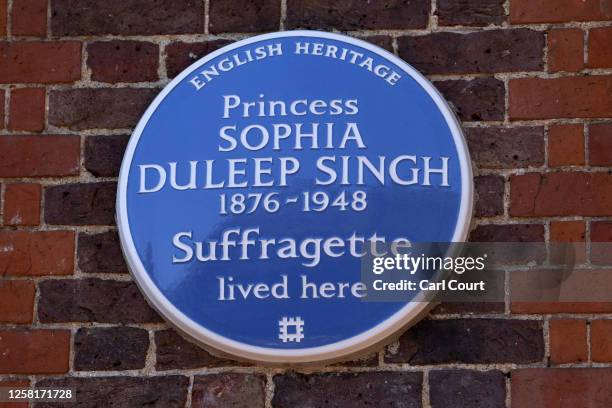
(568, 341)
(229, 390)
(561, 193)
(34, 351)
(36, 253)
(16, 384)
(39, 156)
(99, 108)
(539, 307)
(179, 55)
(383, 41)
(103, 154)
(562, 387)
(566, 145)
(508, 233)
(601, 347)
(81, 204)
(29, 18)
(123, 61)
(468, 308)
(346, 15)
(471, 341)
(2, 93)
(476, 100)
(505, 148)
(567, 231)
(93, 300)
(3, 15)
(600, 47)
(565, 50)
(565, 97)
(600, 144)
(126, 17)
(467, 389)
(382, 389)
(244, 16)
(470, 12)
(40, 62)
(16, 301)
(489, 196)
(601, 236)
(123, 392)
(27, 109)
(559, 11)
(22, 204)
(174, 352)
(100, 253)
(478, 52)
(110, 348)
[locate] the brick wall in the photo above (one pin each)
(530, 80)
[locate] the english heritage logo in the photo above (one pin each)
(259, 177)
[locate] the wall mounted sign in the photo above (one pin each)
(253, 182)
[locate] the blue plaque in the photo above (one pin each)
(258, 178)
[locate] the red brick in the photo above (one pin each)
(39, 156)
(150, 391)
(489, 195)
(291, 389)
(565, 50)
(565, 145)
(15, 384)
(348, 15)
(567, 231)
(489, 51)
(34, 351)
(567, 97)
(559, 11)
(601, 237)
(40, 62)
(99, 108)
(601, 346)
(459, 388)
(600, 48)
(601, 231)
(27, 109)
(600, 144)
(246, 15)
(123, 61)
(508, 233)
(475, 100)
(496, 147)
(81, 204)
(16, 301)
(561, 387)
(29, 17)
(24, 253)
(1, 107)
(93, 300)
(568, 341)
(22, 204)
(561, 194)
(470, 12)
(3, 12)
(469, 341)
(126, 17)
(104, 153)
(179, 55)
(560, 307)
